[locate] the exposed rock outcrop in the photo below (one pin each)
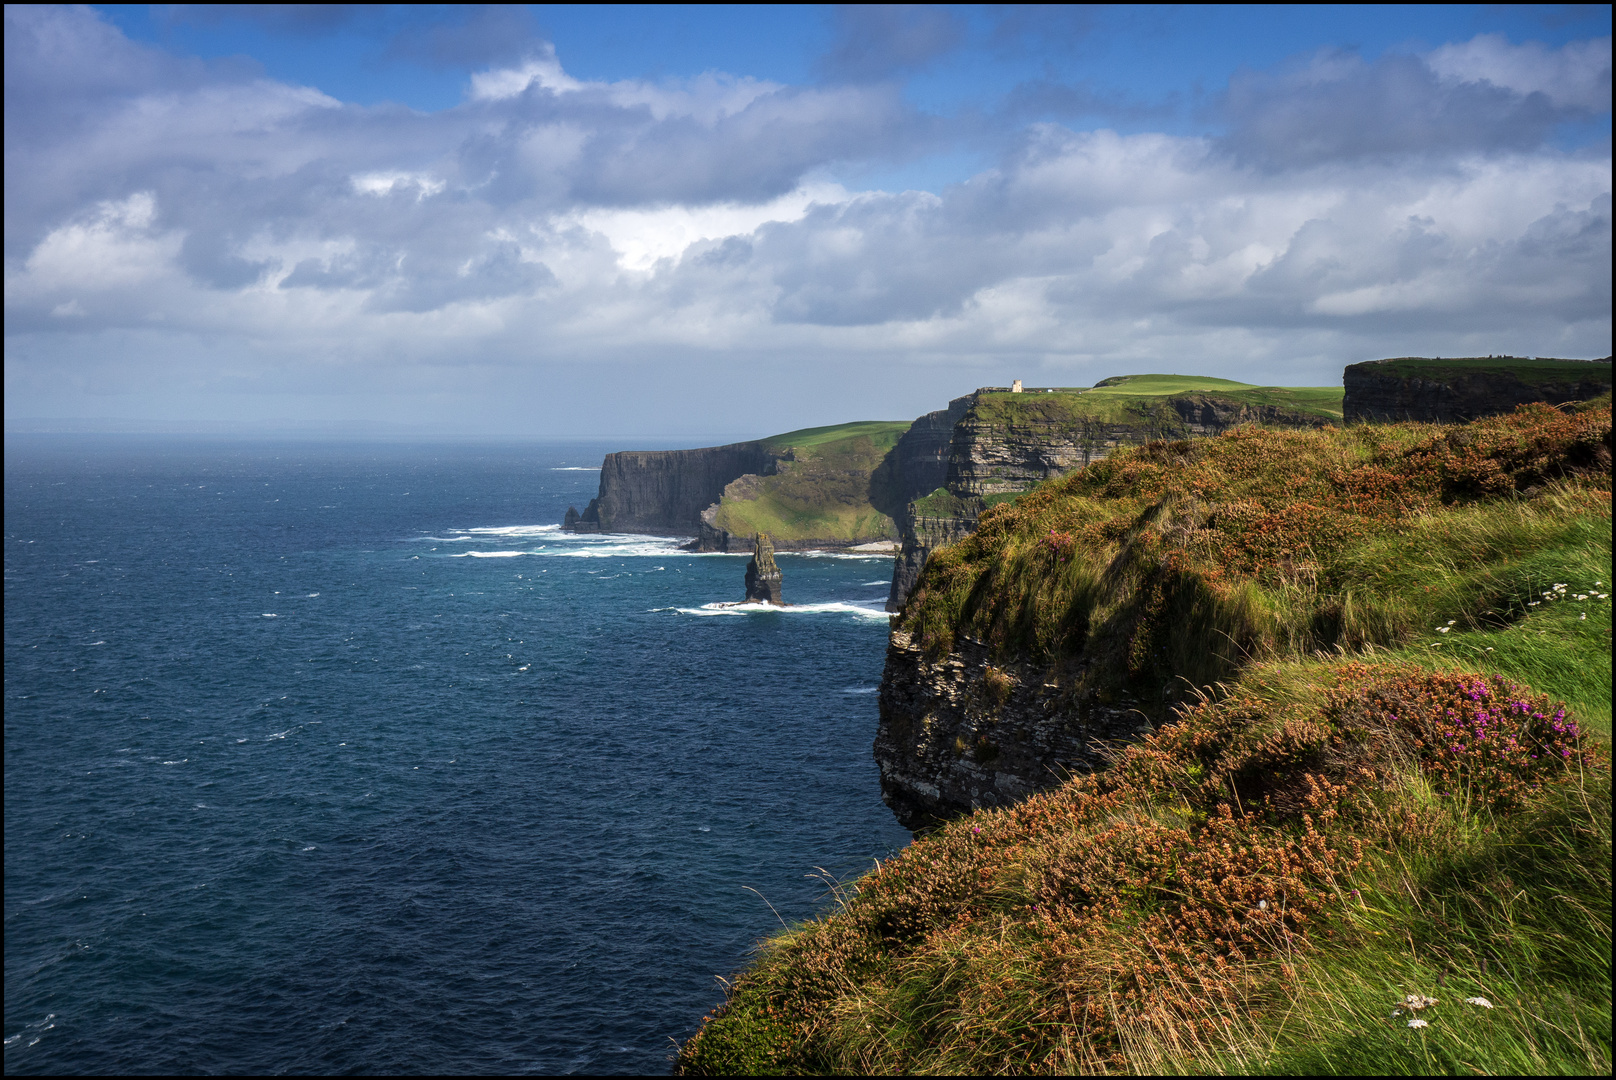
(1454, 390)
(763, 575)
(663, 492)
(958, 733)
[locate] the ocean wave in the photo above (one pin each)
(575, 468)
(489, 554)
(866, 556)
(510, 530)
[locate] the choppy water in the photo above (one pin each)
(340, 758)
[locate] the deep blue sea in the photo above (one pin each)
(326, 757)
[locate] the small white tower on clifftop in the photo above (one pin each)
(1015, 387)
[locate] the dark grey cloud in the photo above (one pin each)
(470, 35)
(881, 41)
(1336, 107)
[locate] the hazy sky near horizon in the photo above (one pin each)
(554, 220)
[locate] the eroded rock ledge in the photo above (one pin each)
(960, 733)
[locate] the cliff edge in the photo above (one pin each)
(1442, 391)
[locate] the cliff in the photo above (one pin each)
(1004, 443)
(1286, 848)
(1086, 611)
(959, 732)
(663, 492)
(1450, 390)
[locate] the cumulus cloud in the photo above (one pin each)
(276, 236)
(1576, 76)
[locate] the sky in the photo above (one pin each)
(556, 221)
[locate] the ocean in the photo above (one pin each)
(341, 757)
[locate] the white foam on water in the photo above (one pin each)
(489, 554)
(862, 690)
(865, 556)
(509, 530)
(867, 584)
(574, 468)
(270, 615)
(753, 608)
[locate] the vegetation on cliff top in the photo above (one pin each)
(1401, 823)
(1148, 401)
(834, 485)
(1175, 564)
(1530, 370)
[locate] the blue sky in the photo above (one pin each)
(617, 220)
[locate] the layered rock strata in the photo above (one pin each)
(763, 577)
(663, 492)
(1456, 390)
(958, 733)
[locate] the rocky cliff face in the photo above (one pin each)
(1448, 391)
(664, 491)
(920, 460)
(958, 733)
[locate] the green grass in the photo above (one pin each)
(1165, 385)
(883, 434)
(836, 489)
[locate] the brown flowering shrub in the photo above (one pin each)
(1168, 893)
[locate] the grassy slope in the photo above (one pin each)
(833, 491)
(1253, 888)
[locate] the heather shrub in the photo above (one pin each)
(1175, 564)
(1172, 900)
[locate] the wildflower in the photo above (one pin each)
(1417, 1023)
(1583, 617)
(1262, 905)
(1452, 621)
(1442, 629)
(1533, 603)
(1419, 1001)
(1396, 1013)
(1479, 1001)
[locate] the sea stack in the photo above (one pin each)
(763, 574)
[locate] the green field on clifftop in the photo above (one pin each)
(1370, 836)
(1324, 400)
(831, 487)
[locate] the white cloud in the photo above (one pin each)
(385, 183)
(1574, 76)
(549, 225)
(642, 237)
